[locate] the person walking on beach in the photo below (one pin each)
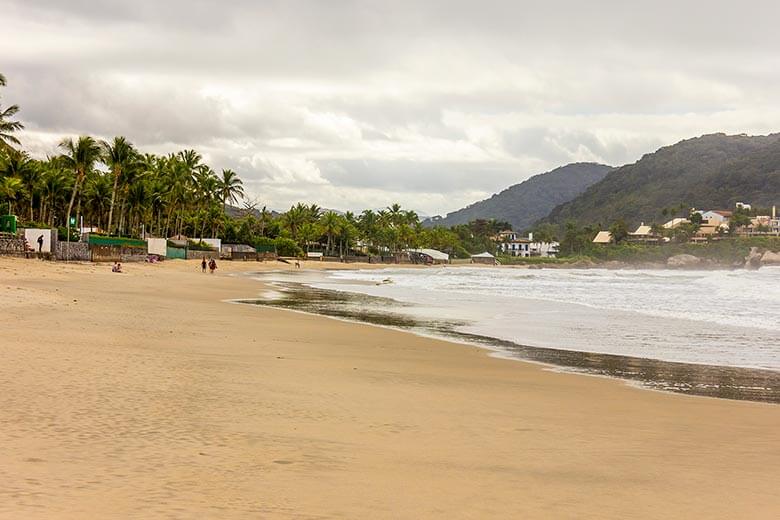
(203, 265)
(40, 243)
(212, 266)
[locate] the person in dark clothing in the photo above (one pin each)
(212, 266)
(203, 265)
(40, 244)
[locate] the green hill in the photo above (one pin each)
(712, 171)
(523, 204)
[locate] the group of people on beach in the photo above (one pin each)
(211, 264)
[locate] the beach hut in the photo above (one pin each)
(428, 256)
(603, 237)
(484, 258)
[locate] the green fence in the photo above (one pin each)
(176, 252)
(8, 224)
(98, 240)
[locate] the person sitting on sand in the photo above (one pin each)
(212, 266)
(203, 265)
(117, 268)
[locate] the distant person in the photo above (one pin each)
(212, 266)
(297, 264)
(40, 244)
(117, 268)
(203, 265)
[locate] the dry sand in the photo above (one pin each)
(143, 395)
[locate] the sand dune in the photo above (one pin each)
(144, 395)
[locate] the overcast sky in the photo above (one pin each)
(355, 104)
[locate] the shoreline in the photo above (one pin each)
(144, 395)
(703, 380)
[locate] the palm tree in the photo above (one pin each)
(56, 182)
(8, 127)
(80, 157)
(97, 191)
(230, 187)
(117, 155)
(330, 224)
(295, 219)
(30, 175)
(138, 199)
(394, 214)
(9, 188)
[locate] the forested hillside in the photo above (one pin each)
(712, 171)
(523, 204)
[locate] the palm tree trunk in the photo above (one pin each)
(72, 199)
(113, 198)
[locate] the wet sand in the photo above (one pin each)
(750, 384)
(144, 395)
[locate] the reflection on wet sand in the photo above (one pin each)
(703, 380)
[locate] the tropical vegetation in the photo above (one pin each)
(116, 189)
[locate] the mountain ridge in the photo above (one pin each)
(524, 203)
(710, 171)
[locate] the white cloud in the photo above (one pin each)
(432, 104)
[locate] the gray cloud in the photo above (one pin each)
(352, 104)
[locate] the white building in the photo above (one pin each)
(545, 249)
(717, 217)
(512, 244)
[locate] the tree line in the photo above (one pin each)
(116, 188)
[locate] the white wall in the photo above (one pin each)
(32, 235)
(156, 246)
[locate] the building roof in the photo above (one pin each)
(675, 222)
(483, 255)
(436, 255)
(642, 230)
(721, 212)
(603, 237)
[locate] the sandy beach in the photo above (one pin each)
(146, 395)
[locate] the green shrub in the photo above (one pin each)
(62, 234)
(287, 247)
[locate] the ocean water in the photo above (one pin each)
(722, 318)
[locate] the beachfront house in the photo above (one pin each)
(762, 225)
(706, 231)
(543, 249)
(717, 217)
(512, 244)
(603, 237)
(644, 234)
